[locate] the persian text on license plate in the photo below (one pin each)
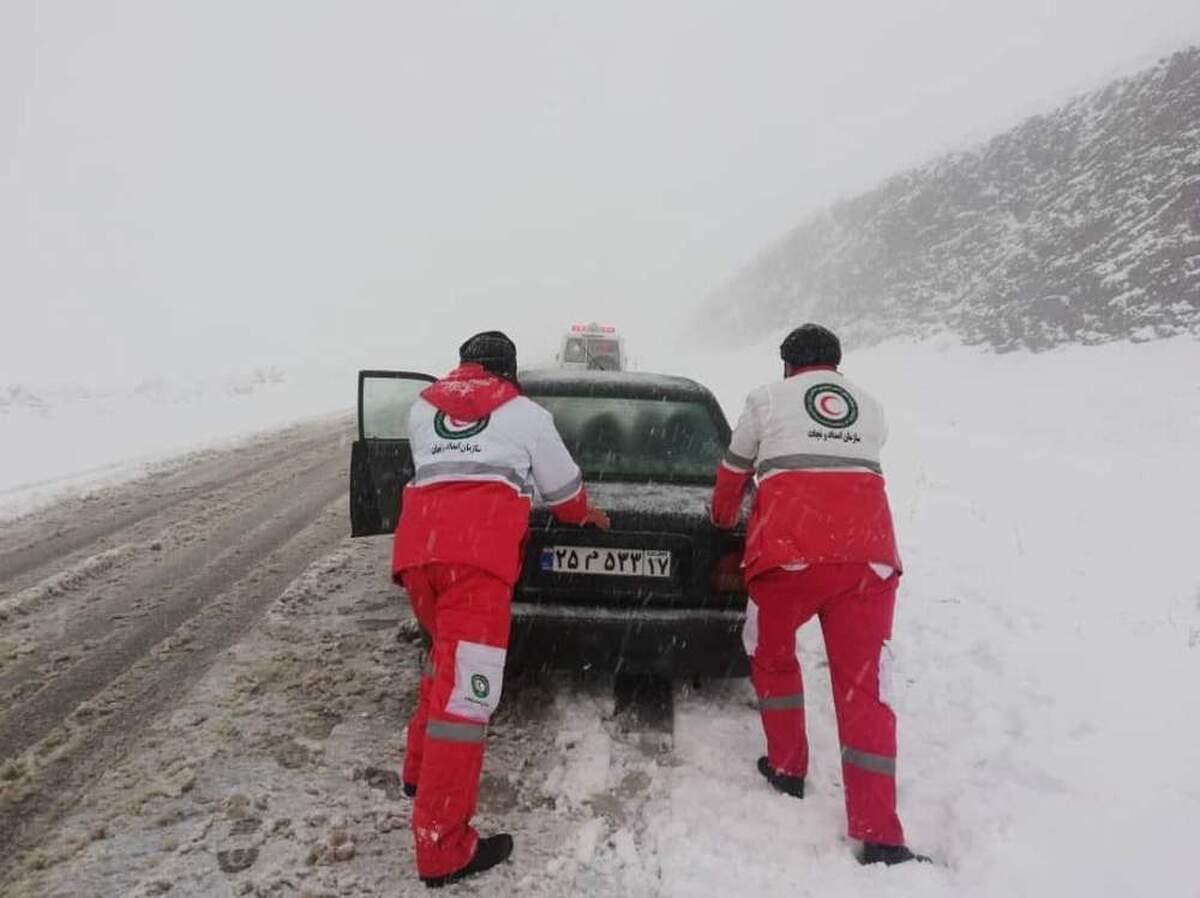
(615, 562)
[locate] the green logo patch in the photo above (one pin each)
(830, 405)
(480, 686)
(452, 429)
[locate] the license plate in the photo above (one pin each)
(610, 562)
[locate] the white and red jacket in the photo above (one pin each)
(813, 439)
(480, 451)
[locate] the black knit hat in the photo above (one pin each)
(494, 351)
(811, 344)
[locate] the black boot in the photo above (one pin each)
(875, 853)
(788, 785)
(488, 853)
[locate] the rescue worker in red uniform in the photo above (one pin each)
(819, 541)
(480, 450)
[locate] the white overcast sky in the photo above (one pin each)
(208, 185)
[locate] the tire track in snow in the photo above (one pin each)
(71, 579)
(88, 612)
(203, 576)
(62, 731)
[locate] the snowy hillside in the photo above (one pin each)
(1082, 225)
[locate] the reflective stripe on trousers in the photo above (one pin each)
(867, 761)
(782, 702)
(452, 731)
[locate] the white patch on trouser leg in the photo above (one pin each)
(750, 628)
(478, 680)
(886, 673)
(882, 571)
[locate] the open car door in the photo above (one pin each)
(380, 459)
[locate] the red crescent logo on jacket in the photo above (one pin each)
(831, 405)
(449, 428)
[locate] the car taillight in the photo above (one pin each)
(727, 576)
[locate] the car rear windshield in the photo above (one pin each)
(638, 439)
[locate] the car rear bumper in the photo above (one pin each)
(673, 642)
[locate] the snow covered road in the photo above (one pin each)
(111, 608)
(1048, 640)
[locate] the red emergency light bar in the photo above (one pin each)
(593, 329)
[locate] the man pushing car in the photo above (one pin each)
(819, 542)
(480, 449)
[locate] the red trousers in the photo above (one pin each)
(855, 607)
(466, 611)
